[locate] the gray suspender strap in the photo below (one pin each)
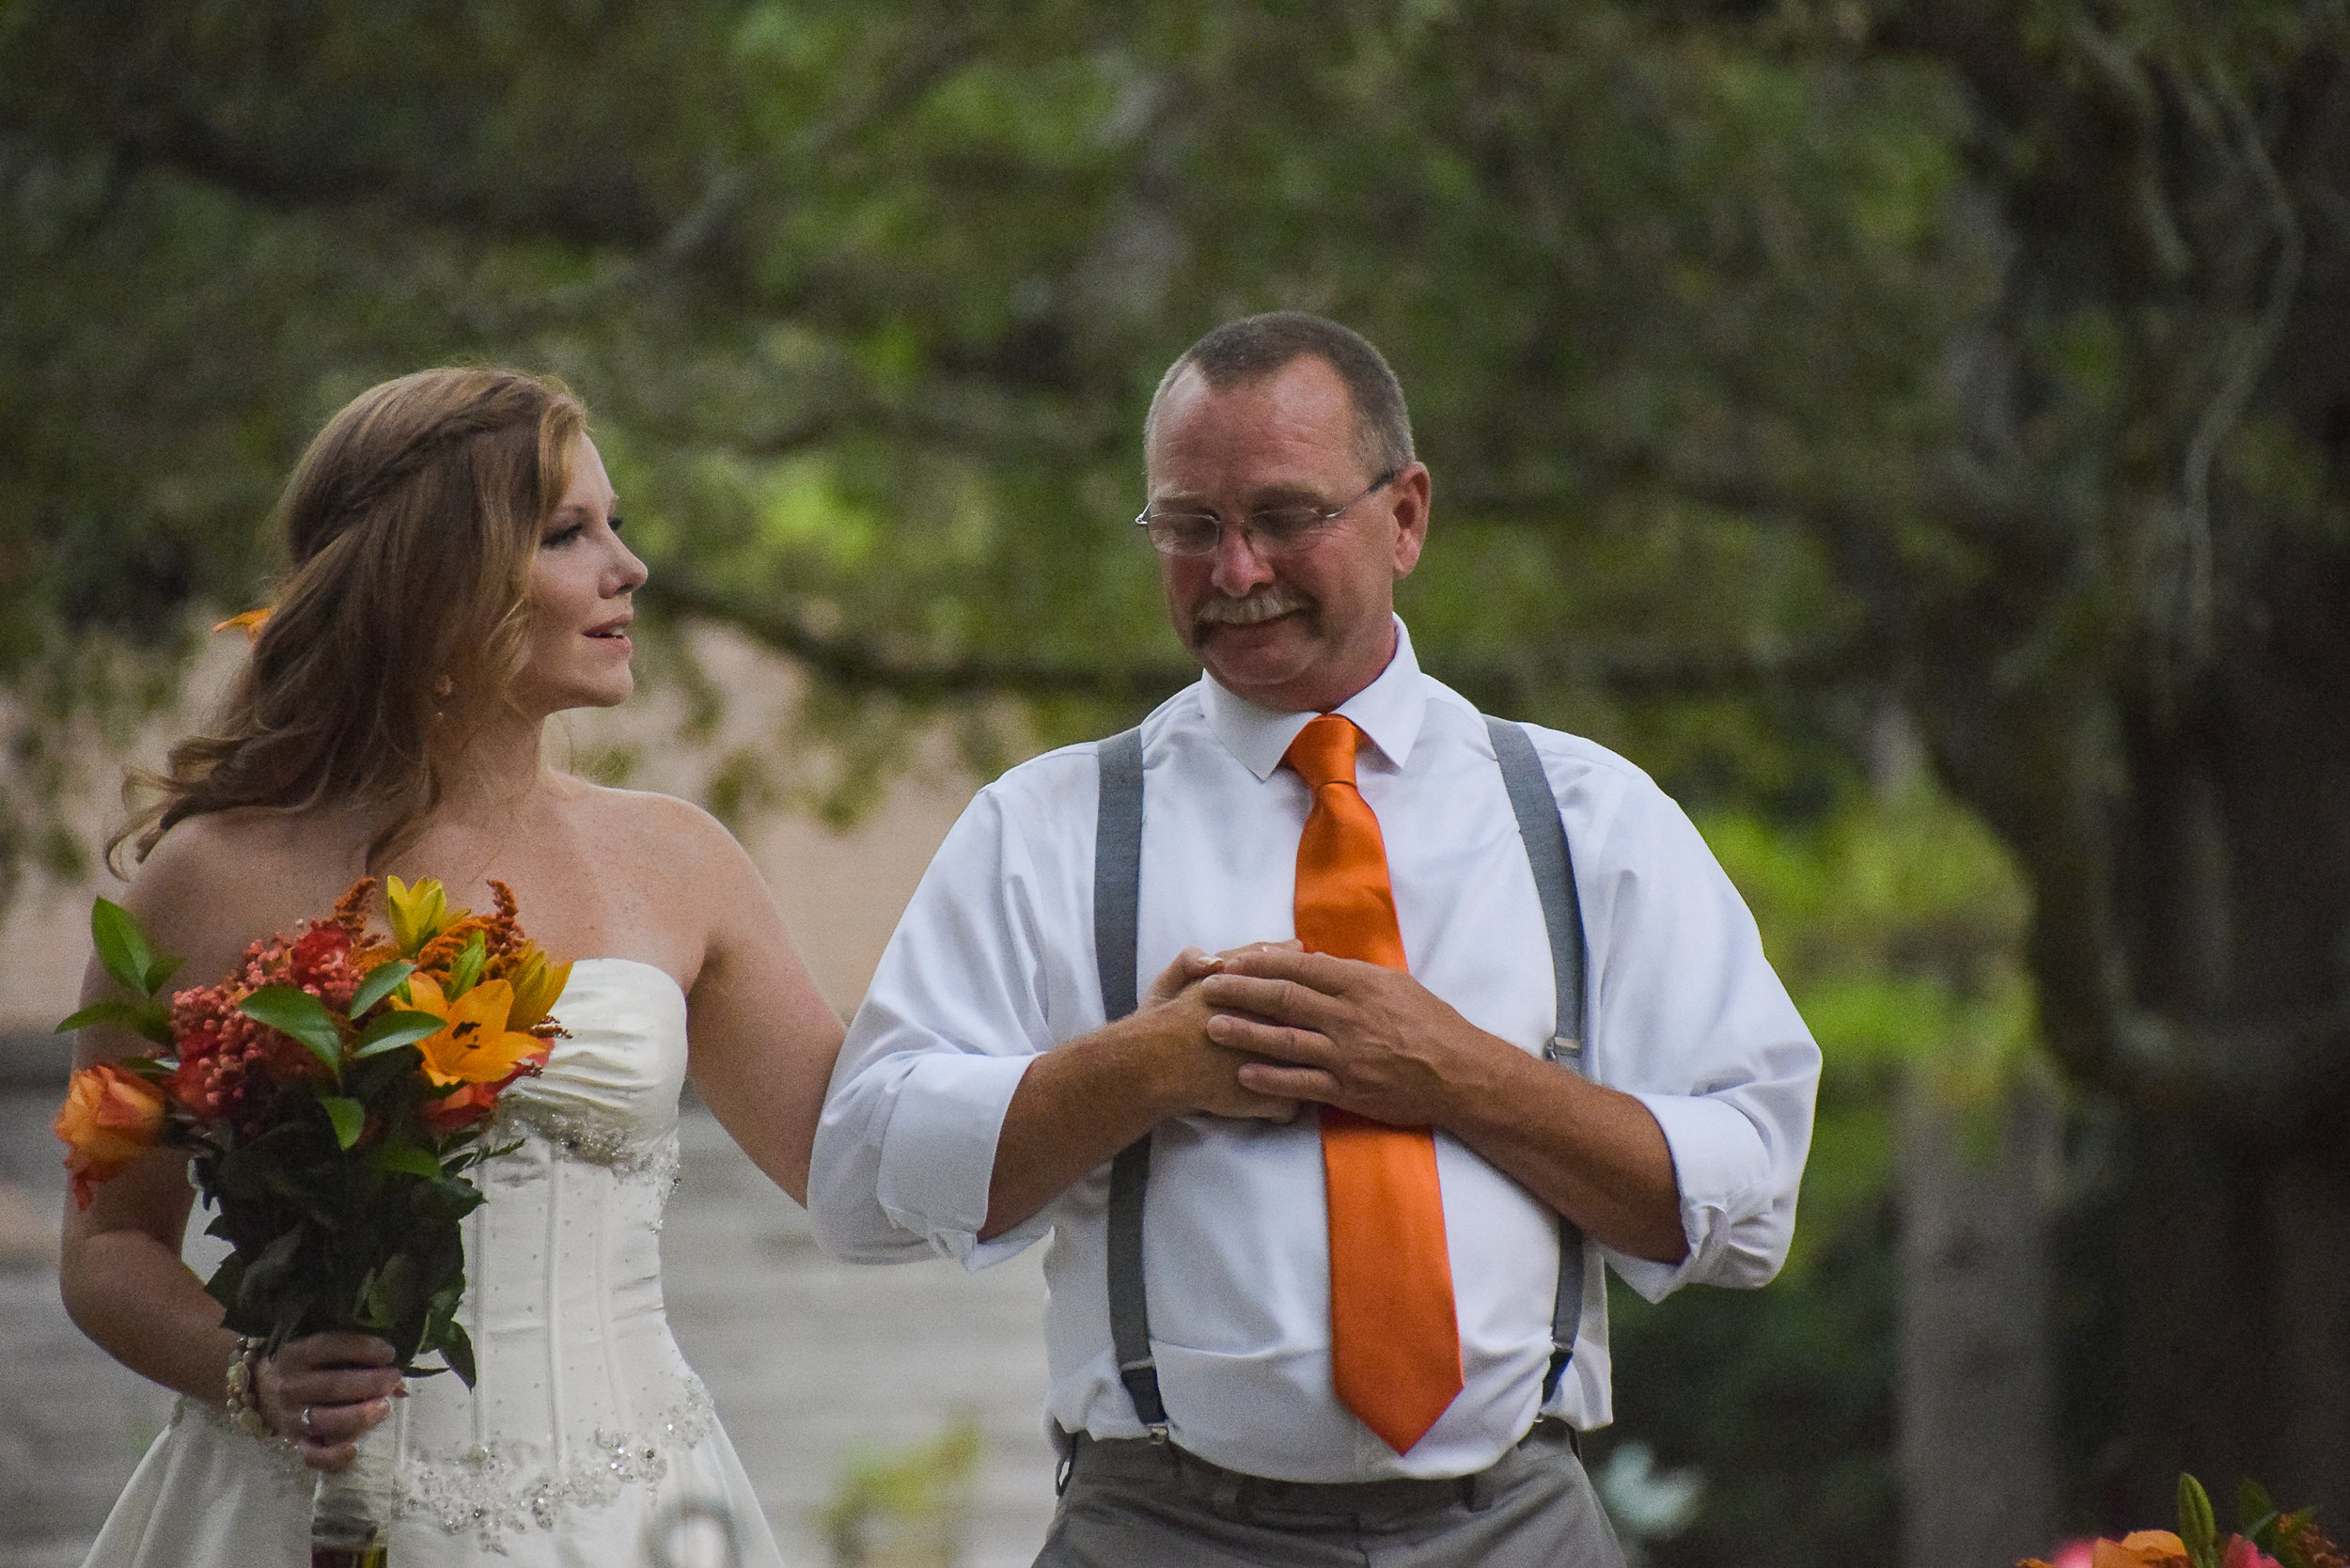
(1117, 906)
(1537, 810)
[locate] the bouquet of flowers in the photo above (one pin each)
(331, 1091)
(2266, 1538)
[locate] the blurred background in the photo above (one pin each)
(1918, 432)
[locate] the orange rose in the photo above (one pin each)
(2147, 1548)
(110, 1117)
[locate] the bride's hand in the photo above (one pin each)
(325, 1391)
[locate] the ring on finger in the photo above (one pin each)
(305, 1423)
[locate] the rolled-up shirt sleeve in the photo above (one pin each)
(1687, 1016)
(905, 1150)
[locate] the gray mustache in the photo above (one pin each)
(1261, 606)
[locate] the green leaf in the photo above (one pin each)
(456, 1348)
(265, 1274)
(2197, 1529)
(160, 971)
(149, 1020)
(122, 946)
(349, 1116)
(227, 1280)
(385, 1298)
(445, 1201)
(296, 1013)
(406, 1160)
(379, 984)
(2256, 1513)
(466, 967)
(396, 1028)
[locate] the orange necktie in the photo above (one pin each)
(1395, 1347)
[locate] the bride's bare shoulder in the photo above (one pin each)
(214, 883)
(654, 823)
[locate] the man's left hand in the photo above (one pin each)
(1369, 1040)
(1379, 1043)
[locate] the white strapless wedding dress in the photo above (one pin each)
(587, 1436)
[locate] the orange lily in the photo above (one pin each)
(475, 1044)
(250, 623)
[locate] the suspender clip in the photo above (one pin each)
(1141, 1377)
(1563, 1046)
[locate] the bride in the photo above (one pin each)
(458, 576)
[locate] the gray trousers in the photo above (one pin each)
(1151, 1505)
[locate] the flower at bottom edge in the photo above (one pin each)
(2072, 1554)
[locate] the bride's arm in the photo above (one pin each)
(119, 1270)
(763, 1039)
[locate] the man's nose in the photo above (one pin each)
(1239, 565)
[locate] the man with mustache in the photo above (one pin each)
(1416, 1063)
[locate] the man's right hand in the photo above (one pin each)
(1079, 1103)
(1193, 1074)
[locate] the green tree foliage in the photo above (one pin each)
(1897, 924)
(1776, 361)
(869, 308)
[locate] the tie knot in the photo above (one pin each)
(1324, 752)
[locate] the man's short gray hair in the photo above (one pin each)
(1254, 347)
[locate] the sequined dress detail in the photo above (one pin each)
(586, 1429)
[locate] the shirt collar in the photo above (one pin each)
(1389, 711)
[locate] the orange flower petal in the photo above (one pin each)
(475, 1046)
(110, 1117)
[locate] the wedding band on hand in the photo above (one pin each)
(305, 1423)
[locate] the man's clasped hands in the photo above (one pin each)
(1279, 1027)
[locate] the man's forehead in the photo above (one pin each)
(1278, 430)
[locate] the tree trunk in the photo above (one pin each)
(2190, 858)
(2237, 1323)
(1975, 1411)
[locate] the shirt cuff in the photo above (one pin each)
(1718, 1161)
(938, 1156)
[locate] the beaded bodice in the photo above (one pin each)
(581, 1387)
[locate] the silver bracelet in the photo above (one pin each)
(244, 1388)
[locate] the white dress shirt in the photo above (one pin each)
(992, 963)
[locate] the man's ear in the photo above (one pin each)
(1410, 491)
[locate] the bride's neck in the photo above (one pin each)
(501, 766)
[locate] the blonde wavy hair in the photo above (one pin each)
(398, 629)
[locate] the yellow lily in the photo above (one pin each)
(418, 914)
(473, 1045)
(537, 984)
